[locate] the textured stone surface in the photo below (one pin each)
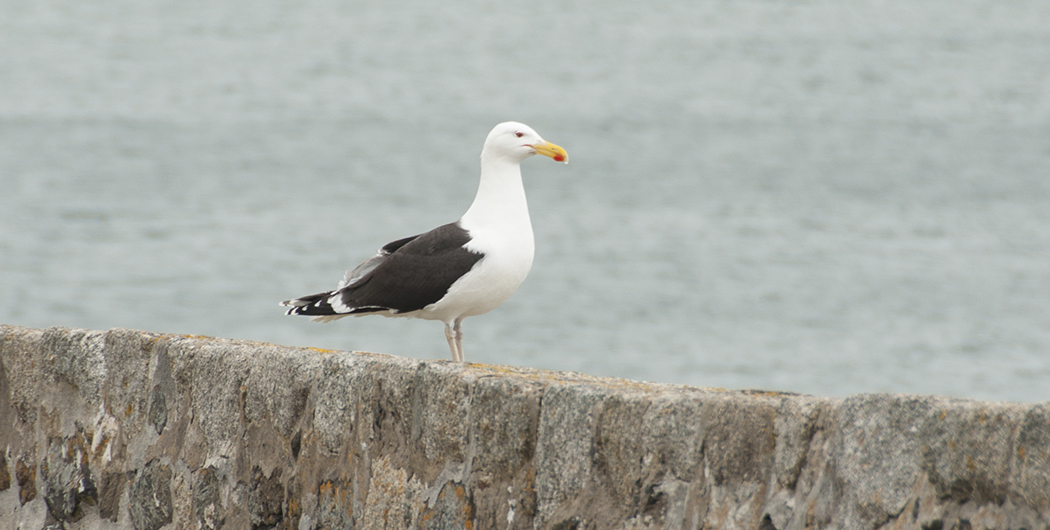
(149, 498)
(126, 429)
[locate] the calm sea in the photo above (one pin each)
(814, 196)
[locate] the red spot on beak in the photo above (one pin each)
(559, 158)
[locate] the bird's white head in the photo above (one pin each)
(517, 141)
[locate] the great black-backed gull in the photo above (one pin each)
(458, 270)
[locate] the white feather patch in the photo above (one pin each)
(336, 301)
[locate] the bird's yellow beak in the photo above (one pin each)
(553, 151)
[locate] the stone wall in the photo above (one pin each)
(126, 429)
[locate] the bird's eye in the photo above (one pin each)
(519, 134)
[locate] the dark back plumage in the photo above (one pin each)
(407, 275)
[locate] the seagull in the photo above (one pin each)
(457, 270)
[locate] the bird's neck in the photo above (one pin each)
(500, 201)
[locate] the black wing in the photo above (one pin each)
(407, 275)
(417, 273)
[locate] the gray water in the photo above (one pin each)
(816, 196)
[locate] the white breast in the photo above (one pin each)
(508, 259)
